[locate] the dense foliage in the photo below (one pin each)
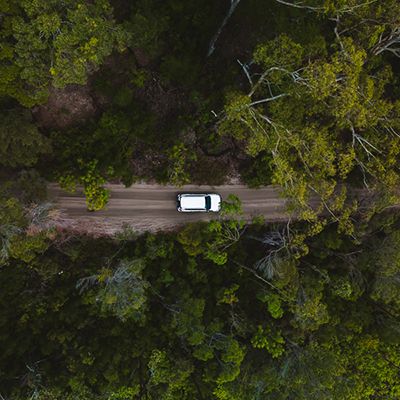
(155, 317)
(302, 94)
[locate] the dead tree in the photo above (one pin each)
(388, 42)
(344, 9)
(299, 4)
(211, 48)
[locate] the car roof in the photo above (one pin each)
(193, 201)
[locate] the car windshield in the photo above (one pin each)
(208, 203)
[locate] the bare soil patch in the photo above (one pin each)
(65, 107)
(164, 101)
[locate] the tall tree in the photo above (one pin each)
(321, 118)
(21, 143)
(52, 42)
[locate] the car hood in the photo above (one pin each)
(215, 202)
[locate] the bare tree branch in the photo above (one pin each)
(299, 4)
(388, 42)
(266, 100)
(246, 71)
(344, 10)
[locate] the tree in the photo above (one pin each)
(225, 232)
(192, 238)
(187, 321)
(147, 24)
(271, 341)
(24, 232)
(91, 179)
(320, 120)
(178, 159)
(21, 142)
(122, 290)
(385, 260)
(69, 41)
(174, 374)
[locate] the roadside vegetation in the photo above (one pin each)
(214, 311)
(301, 94)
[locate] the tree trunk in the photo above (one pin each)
(211, 48)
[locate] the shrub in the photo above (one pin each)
(96, 195)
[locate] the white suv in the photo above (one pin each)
(197, 202)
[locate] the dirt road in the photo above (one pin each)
(153, 207)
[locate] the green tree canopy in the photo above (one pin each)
(21, 143)
(54, 43)
(322, 118)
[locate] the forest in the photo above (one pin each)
(300, 94)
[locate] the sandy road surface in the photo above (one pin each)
(153, 207)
